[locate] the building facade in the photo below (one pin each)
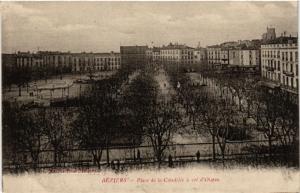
(177, 54)
(133, 56)
(279, 62)
(107, 61)
(214, 56)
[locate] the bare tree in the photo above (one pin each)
(268, 117)
(56, 132)
(96, 122)
(160, 127)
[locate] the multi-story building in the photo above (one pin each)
(200, 56)
(176, 54)
(224, 57)
(82, 62)
(156, 54)
(250, 57)
(244, 57)
(149, 55)
(9, 62)
(56, 61)
(133, 56)
(214, 56)
(24, 60)
(107, 61)
(279, 62)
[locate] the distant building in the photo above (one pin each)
(83, 62)
(25, 60)
(279, 62)
(156, 54)
(133, 55)
(9, 61)
(107, 61)
(245, 57)
(200, 56)
(214, 56)
(269, 35)
(176, 54)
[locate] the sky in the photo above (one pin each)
(104, 26)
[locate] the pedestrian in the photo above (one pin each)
(139, 155)
(112, 165)
(170, 161)
(198, 156)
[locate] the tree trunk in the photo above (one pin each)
(270, 146)
(214, 146)
(55, 157)
(107, 155)
(20, 90)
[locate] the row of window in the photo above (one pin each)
(287, 56)
(286, 81)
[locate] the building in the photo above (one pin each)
(56, 62)
(279, 62)
(156, 54)
(133, 56)
(177, 54)
(200, 56)
(107, 61)
(9, 61)
(214, 56)
(224, 57)
(250, 57)
(82, 62)
(269, 35)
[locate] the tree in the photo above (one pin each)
(96, 122)
(268, 113)
(56, 132)
(160, 127)
(29, 135)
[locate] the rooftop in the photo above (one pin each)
(175, 46)
(283, 40)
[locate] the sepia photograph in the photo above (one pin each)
(141, 96)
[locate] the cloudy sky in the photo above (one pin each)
(104, 26)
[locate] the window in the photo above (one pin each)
(291, 56)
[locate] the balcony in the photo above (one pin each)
(288, 73)
(269, 68)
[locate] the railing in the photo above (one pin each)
(132, 155)
(269, 68)
(288, 73)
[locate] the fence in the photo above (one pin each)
(130, 155)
